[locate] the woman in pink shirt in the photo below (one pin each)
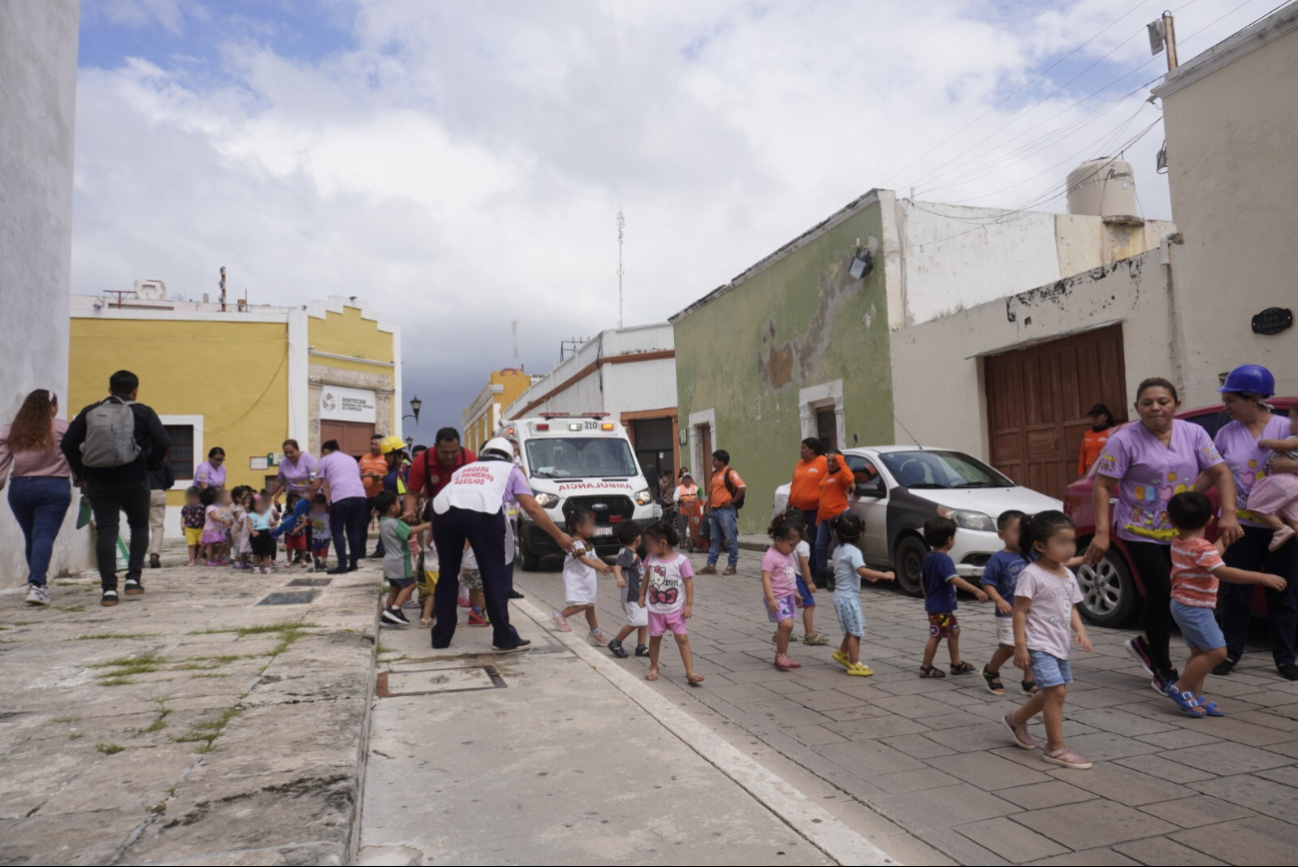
(348, 514)
(1148, 463)
(41, 491)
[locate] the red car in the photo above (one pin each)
(1112, 594)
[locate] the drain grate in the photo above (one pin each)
(431, 680)
(310, 582)
(290, 597)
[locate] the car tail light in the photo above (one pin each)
(542, 426)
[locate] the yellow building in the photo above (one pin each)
(245, 379)
(481, 420)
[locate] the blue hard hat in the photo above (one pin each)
(1249, 379)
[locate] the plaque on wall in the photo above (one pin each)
(1272, 320)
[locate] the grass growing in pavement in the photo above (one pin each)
(76, 736)
(206, 734)
(117, 672)
(161, 722)
(106, 636)
(109, 749)
(66, 719)
(264, 629)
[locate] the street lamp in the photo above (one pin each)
(415, 405)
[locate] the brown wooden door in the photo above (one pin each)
(1037, 399)
(353, 437)
(827, 428)
(704, 472)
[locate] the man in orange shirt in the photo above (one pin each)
(374, 466)
(725, 495)
(804, 492)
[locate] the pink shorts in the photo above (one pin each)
(673, 622)
(1275, 495)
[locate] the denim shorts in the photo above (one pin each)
(805, 597)
(1198, 626)
(1049, 670)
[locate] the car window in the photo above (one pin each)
(866, 473)
(1209, 421)
(941, 469)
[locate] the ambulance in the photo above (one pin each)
(574, 460)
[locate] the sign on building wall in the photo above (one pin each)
(348, 404)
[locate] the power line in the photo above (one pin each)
(1034, 80)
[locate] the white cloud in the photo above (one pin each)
(461, 164)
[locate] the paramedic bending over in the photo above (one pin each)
(472, 507)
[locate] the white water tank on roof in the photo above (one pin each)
(150, 290)
(1104, 187)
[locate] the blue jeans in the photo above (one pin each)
(723, 523)
(486, 537)
(39, 503)
(809, 517)
(824, 541)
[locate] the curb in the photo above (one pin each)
(810, 821)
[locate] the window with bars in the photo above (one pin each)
(182, 450)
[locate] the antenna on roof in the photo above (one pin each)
(621, 226)
(908, 433)
(513, 327)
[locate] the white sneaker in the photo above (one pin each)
(37, 595)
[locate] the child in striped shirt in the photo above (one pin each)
(1196, 568)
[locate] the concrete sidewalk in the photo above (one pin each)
(187, 725)
(556, 756)
(930, 757)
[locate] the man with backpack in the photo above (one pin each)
(112, 446)
(725, 498)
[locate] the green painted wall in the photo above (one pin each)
(800, 322)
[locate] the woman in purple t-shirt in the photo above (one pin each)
(1148, 463)
(348, 514)
(1251, 420)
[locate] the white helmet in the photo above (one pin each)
(498, 448)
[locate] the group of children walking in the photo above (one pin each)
(241, 527)
(1030, 584)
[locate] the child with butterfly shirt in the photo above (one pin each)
(668, 590)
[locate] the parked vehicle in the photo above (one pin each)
(899, 487)
(579, 460)
(1112, 594)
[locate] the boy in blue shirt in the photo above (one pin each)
(939, 582)
(1000, 575)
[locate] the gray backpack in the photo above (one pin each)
(110, 435)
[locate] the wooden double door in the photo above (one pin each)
(1037, 400)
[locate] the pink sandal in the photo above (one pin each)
(1066, 758)
(1022, 739)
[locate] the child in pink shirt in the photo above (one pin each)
(779, 585)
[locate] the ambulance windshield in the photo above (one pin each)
(578, 457)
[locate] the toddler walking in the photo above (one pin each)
(398, 568)
(999, 578)
(668, 589)
(427, 583)
(1196, 568)
(780, 589)
(1045, 606)
(580, 571)
(192, 518)
(939, 583)
(240, 534)
(471, 578)
(1273, 501)
(260, 522)
(217, 522)
(804, 582)
(295, 537)
(320, 532)
(849, 568)
(627, 571)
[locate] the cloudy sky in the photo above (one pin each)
(460, 164)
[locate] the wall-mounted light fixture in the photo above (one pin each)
(862, 264)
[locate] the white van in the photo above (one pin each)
(578, 460)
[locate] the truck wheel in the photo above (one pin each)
(1109, 595)
(908, 563)
(529, 561)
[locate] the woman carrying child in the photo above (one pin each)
(1045, 607)
(849, 569)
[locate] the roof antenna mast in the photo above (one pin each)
(621, 226)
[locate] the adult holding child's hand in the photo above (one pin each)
(1148, 463)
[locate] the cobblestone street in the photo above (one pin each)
(932, 756)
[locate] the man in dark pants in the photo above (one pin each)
(120, 488)
(472, 507)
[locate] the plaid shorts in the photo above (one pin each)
(943, 624)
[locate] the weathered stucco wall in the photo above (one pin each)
(953, 257)
(795, 322)
(938, 390)
(38, 71)
(1234, 185)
